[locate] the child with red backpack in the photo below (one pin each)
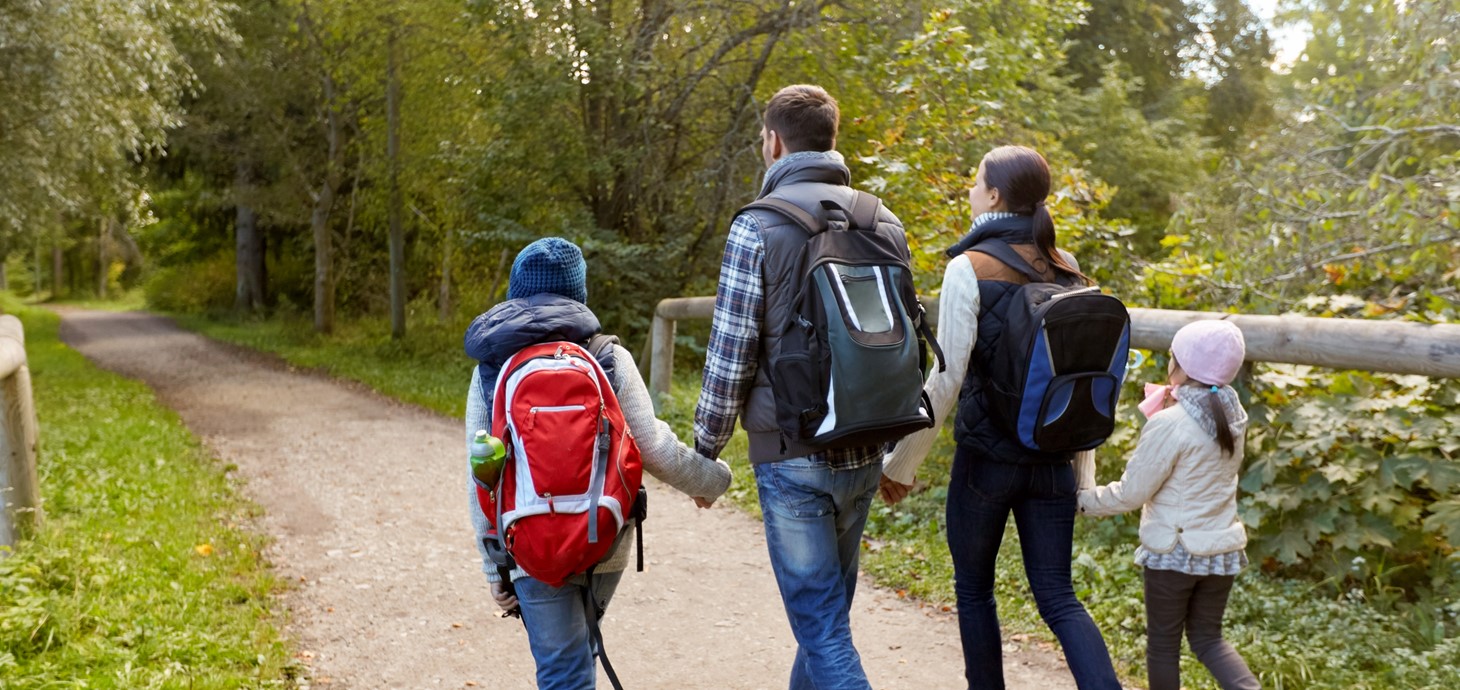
(560, 600)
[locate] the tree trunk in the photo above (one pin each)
(319, 218)
(324, 198)
(324, 284)
(58, 271)
(392, 154)
(248, 245)
(101, 268)
(443, 296)
(497, 277)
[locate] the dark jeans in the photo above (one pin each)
(1176, 601)
(981, 494)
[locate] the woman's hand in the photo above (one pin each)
(892, 490)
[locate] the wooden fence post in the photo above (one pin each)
(20, 505)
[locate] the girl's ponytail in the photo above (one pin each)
(1211, 398)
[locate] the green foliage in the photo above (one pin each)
(78, 67)
(198, 286)
(143, 575)
(1354, 465)
(1354, 195)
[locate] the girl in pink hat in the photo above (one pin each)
(1183, 476)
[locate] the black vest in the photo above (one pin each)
(806, 184)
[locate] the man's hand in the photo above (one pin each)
(892, 490)
(506, 601)
(704, 502)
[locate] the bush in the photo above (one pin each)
(207, 285)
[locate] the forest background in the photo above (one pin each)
(350, 178)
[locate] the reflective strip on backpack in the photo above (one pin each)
(566, 505)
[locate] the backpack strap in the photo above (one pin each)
(593, 612)
(1010, 257)
(798, 215)
(601, 347)
(862, 215)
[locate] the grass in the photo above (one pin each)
(1294, 634)
(144, 573)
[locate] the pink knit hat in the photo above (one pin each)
(1209, 351)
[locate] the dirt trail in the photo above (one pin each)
(365, 502)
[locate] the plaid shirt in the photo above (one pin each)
(731, 359)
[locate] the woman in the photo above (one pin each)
(993, 475)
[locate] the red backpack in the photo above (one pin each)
(573, 470)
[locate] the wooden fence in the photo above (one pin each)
(20, 505)
(1395, 347)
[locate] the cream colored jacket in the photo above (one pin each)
(1186, 487)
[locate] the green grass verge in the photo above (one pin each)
(144, 573)
(1294, 634)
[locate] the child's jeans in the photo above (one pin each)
(557, 629)
(1195, 603)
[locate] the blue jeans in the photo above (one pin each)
(814, 517)
(557, 629)
(981, 494)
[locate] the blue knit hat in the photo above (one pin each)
(551, 264)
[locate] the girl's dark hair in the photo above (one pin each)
(1213, 404)
(1022, 177)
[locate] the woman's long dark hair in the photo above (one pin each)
(1214, 407)
(1022, 177)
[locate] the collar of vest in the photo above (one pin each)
(1012, 229)
(826, 167)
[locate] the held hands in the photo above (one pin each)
(892, 490)
(704, 502)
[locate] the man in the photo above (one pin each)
(814, 501)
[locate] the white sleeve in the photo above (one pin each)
(958, 306)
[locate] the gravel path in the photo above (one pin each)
(365, 503)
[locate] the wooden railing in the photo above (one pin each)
(20, 505)
(1395, 347)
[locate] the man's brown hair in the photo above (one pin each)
(805, 117)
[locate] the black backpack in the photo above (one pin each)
(851, 367)
(1055, 373)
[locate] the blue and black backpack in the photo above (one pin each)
(1055, 376)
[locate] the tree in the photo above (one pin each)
(100, 85)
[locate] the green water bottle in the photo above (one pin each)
(487, 457)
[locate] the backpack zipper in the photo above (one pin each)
(532, 412)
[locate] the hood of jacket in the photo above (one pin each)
(498, 334)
